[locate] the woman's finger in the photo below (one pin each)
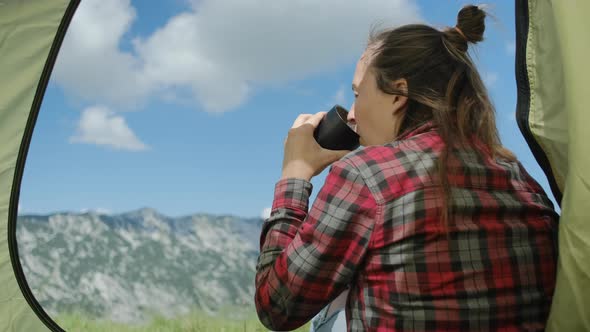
(300, 120)
(315, 119)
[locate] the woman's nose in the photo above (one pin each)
(350, 117)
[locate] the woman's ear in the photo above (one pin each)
(400, 102)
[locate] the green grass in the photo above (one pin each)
(196, 321)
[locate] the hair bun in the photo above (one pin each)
(471, 22)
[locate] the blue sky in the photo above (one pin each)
(183, 105)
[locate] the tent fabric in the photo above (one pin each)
(551, 112)
(553, 90)
(28, 46)
(540, 105)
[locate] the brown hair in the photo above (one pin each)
(443, 86)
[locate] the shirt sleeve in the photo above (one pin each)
(307, 260)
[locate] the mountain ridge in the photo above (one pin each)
(127, 265)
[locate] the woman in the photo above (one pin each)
(431, 225)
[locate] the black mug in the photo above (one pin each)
(334, 133)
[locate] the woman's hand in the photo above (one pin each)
(304, 158)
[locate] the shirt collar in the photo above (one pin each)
(423, 128)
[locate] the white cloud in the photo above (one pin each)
(490, 79)
(101, 126)
(217, 49)
(511, 48)
(96, 210)
(91, 64)
(340, 97)
(265, 213)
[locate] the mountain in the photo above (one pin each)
(125, 267)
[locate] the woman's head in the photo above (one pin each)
(414, 74)
(377, 112)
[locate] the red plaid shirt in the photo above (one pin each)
(373, 229)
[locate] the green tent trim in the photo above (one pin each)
(552, 74)
(31, 33)
(524, 102)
